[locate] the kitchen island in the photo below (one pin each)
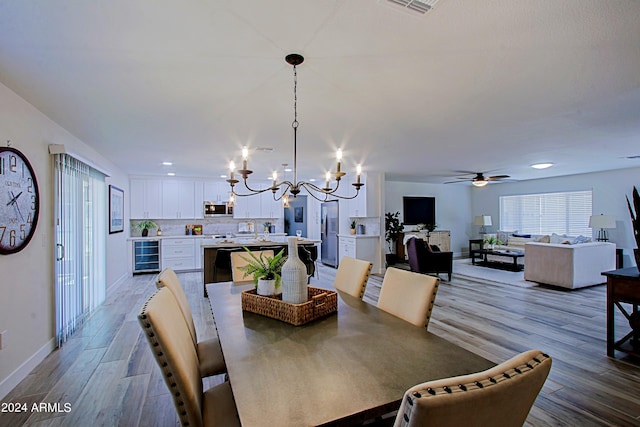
(209, 249)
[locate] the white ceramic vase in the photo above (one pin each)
(294, 276)
(266, 287)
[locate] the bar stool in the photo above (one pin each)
(223, 262)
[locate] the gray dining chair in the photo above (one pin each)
(211, 360)
(352, 276)
(408, 295)
(170, 341)
(502, 395)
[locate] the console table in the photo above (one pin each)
(623, 286)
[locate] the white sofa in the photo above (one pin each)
(569, 266)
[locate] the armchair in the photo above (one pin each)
(426, 260)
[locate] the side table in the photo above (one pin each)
(623, 286)
(475, 246)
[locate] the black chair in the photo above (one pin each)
(424, 259)
(222, 264)
(306, 255)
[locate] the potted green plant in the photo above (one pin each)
(267, 226)
(491, 242)
(352, 227)
(144, 227)
(392, 230)
(266, 271)
(635, 223)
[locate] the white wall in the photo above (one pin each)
(26, 285)
(609, 190)
(453, 207)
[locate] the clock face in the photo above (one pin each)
(19, 201)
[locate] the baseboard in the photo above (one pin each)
(23, 370)
(118, 282)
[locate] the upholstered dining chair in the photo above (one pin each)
(502, 395)
(239, 259)
(408, 295)
(426, 259)
(170, 341)
(209, 353)
(352, 276)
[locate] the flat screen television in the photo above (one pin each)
(419, 210)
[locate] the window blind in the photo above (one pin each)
(80, 267)
(560, 213)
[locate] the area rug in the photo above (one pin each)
(464, 268)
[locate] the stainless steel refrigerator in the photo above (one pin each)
(329, 233)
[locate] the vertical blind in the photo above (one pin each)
(80, 267)
(560, 213)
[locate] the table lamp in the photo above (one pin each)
(602, 222)
(483, 221)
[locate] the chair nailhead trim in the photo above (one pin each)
(507, 375)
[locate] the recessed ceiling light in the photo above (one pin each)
(171, 174)
(312, 180)
(541, 165)
(223, 176)
(167, 163)
(288, 169)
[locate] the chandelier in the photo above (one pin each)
(282, 190)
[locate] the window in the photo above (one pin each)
(560, 213)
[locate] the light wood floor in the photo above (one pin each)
(107, 374)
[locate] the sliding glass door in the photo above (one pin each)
(80, 215)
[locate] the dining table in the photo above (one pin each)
(339, 370)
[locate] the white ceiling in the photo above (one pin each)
(472, 85)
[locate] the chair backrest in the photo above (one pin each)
(239, 259)
(168, 335)
(409, 296)
(168, 278)
(352, 276)
(502, 395)
(415, 249)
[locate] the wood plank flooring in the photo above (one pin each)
(108, 376)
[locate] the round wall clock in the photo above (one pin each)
(19, 201)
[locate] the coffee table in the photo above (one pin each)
(512, 266)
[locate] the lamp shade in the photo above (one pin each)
(602, 221)
(482, 220)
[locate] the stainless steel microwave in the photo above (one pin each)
(217, 208)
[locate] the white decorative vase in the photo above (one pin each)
(266, 287)
(294, 276)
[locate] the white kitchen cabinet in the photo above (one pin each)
(146, 198)
(216, 191)
(361, 247)
(270, 208)
(179, 254)
(366, 204)
(247, 207)
(178, 199)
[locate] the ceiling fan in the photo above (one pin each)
(479, 180)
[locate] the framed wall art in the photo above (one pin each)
(116, 210)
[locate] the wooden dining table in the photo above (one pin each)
(342, 369)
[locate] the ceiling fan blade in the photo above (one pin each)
(497, 177)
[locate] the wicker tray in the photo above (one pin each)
(321, 302)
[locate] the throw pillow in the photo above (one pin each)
(581, 239)
(555, 238)
(503, 236)
(526, 236)
(545, 239)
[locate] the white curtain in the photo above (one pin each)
(81, 227)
